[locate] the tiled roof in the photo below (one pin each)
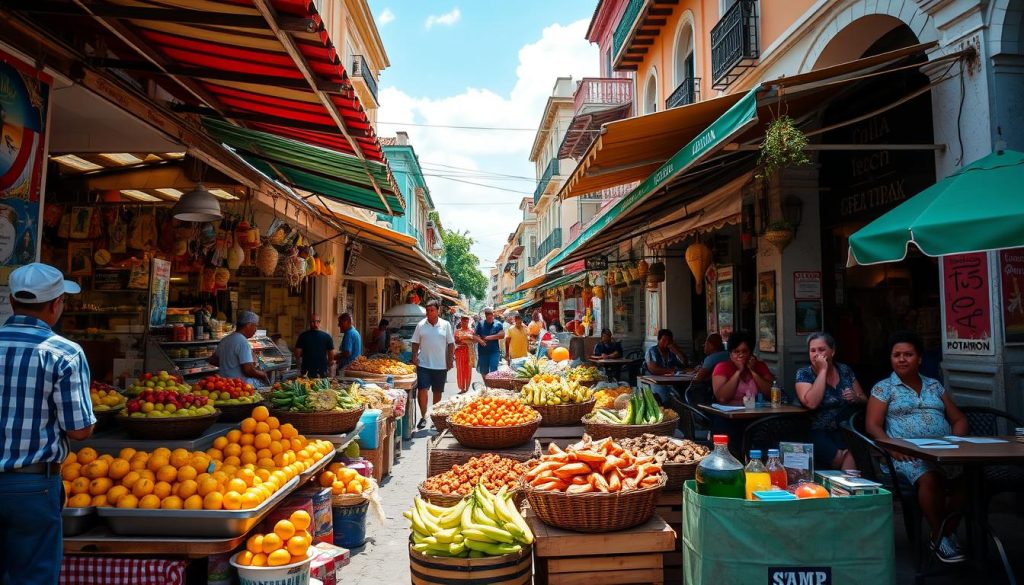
(388, 141)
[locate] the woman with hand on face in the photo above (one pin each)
(742, 374)
(830, 389)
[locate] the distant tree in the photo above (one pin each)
(462, 264)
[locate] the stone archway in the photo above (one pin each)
(1006, 29)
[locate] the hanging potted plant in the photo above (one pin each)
(784, 146)
(780, 234)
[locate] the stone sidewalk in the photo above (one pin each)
(385, 558)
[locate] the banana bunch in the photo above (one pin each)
(481, 525)
(553, 391)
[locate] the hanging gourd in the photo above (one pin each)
(266, 259)
(698, 258)
(329, 267)
(656, 272)
(641, 268)
(236, 255)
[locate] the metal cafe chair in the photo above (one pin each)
(765, 433)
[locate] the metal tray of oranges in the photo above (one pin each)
(201, 523)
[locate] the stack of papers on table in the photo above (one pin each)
(975, 440)
(727, 407)
(932, 443)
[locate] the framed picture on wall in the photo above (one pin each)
(766, 292)
(81, 220)
(808, 317)
(79, 258)
(766, 334)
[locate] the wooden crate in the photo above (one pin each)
(388, 443)
(636, 555)
(670, 508)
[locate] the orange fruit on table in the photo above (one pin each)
(119, 468)
(187, 488)
(150, 502)
(232, 500)
(80, 485)
(250, 500)
(97, 468)
(206, 486)
(172, 503)
(272, 422)
(278, 558)
(260, 413)
(71, 471)
(298, 546)
(186, 472)
(254, 544)
(100, 486)
(194, 502)
(271, 542)
(244, 558)
(155, 462)
(116, 493)
(284, 529)
(167, 473)
(259, 560)
(128, 501)
(247, 425)
(143, 487)
(213, 501)
(811, 490)
(127, 453)
(86, 455)
(327, 479)
(81, 500)
(262, 441)
(220, 443)
(179, 457)
(300, 519)
(71, 458)
(162, 489)
(100, 501)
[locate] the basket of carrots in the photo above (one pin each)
(491, 422)
(594, 486)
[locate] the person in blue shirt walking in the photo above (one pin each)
(351, 345)
(44, 401)
(488, 333)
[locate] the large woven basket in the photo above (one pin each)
(449, 500)
(563, 415)
(493, 437)
(346, 500)
(440, 421)
(594, 511)
(172, 428)
(236, 412)
(441, 460)
(321, 423)
(678, 473)
(599, 430)
(506, 383)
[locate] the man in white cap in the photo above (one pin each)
(234, 354)
(44, 401)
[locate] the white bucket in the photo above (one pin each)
(293, 574)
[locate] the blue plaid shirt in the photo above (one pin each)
(44, 391)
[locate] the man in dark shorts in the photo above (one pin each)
(433, 353)
(314, 349)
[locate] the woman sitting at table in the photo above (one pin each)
(907, 405)
(742, 374)
(607, 348)
(830, 389)
(664, 359)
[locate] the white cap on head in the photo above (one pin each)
(40, 283)
(247, 318)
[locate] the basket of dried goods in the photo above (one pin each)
(317, 406)
(584, 375)
(233, 397)
(492, 471)
(641, 415)
(678, 457)
(107, 402)
(559, 401)
(481, 539)
(167, 415)
(494, 423)
(377, 369)
(594, 486)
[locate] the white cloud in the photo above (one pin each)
(385, 16)
(496, 151)
(447, 19)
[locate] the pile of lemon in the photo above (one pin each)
(243, 469)
(343, 480)
(288, 543)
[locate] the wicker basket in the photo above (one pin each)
(236, 412)
(346, 500)
(678, 473)
(563, 415)
(449, 500)
(172, 428)
(599, 430)
(493, 437)
(106, 419)
(321, 423)
(594, 511)
(589, 383)
(440, 421)
(506, 383)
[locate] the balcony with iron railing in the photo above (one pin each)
(596, 93)
(550, 171)
(550, 243)
(734, 43)
(687, 93)
(361, 70)
(625, 26)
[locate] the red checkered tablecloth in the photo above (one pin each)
(89, 570)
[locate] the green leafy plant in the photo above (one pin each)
(783, 146)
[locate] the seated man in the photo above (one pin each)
(663, 359)
(607, 348)
(714, 349)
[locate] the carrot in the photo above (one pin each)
(652, 469)
(554, 449)
(612, 462)
(614, 484)
(553, 486)
(598, 481)
(573, 469)
(545, 466)
(649, 481)
(640, 475)
(579, 489)
(548, 476)
(629, 484)
(590, 456)
(579, 479)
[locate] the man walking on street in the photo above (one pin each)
(488, 333)
(517, 338)
(433, 352)
(351, 345)
(44, 401)
(314, 349)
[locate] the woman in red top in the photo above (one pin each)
(464, 351)
(743, 374)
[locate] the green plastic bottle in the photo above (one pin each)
(720, 474)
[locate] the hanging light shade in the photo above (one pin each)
(198, 205)
(698, 257)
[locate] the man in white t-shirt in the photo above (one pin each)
(433, 352)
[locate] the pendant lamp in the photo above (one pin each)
(198, 205)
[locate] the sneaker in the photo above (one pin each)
(949, 551)
(422, 424)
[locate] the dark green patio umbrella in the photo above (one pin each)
(978, 208)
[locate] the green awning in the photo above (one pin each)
(562, 281)
(978, 208)
(738, 118)
(311, 168)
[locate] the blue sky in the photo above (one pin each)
(481, 64)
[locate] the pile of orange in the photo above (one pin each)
(242, 469)
(491, 411)
(288, 543)
(343, 480)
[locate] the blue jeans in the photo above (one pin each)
(31, 547)
(487, 363)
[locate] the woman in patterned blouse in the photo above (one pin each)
(907, 405)
(830, 389)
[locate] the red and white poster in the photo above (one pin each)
(966, 305)
(1011, 273)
